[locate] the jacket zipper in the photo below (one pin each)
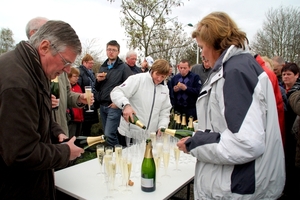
(151, 107)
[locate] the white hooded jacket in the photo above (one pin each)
(150, 102)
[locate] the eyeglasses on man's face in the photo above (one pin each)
(66, 63)
(112, 50)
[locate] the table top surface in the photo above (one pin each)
(82, 181)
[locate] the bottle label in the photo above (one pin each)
(147, 183)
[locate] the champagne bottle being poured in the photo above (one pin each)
(136, 121)
(85, 142)
(178, 133)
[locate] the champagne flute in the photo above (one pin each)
(118, 155)
(166, 158)
(112, 174)
(88, 93)
(100, 155)
(153, 138)
(157, 165)
(127, 165)
(109, 150)
(176, 156)
(107, 158)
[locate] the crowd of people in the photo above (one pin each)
(247, 142)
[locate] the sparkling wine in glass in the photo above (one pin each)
(176, 156)
(112, 174)
(127, 165)
(166, 158)
(107, 171)
(100, 155)
(88, 93)
(109, 150)
(157, 165)
(118, 155)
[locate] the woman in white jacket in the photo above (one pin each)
(238, 143)
(145, 95)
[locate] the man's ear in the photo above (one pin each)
(44, 47)
(32, 32)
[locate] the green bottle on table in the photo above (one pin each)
(190, 124)
(178, 121)
(178, 133)
(148, 170)
(183, 122)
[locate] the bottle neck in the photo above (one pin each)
(183, 121)
(170, 132)
(95, 140)
(148, 151)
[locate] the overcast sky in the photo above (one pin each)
(100, 19)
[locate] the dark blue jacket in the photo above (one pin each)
(193, 83)
(114, 77)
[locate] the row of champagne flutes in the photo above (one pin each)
(114, 166)
(163, 145)
(125, 163)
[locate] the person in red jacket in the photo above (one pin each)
(277, 93)
(75, 114)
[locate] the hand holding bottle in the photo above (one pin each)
(75, 151)
(181, 144)
(130, 116)
(54, 101)
(127, 112)
(62, 137)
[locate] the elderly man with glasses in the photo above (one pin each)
(68, 99)
(27, 155)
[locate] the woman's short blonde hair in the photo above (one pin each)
(161, 66)
(219, 31)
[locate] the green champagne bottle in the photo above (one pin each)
(183, 122)
(178, 133)
(172, 121)
(190, 124)
(137, 122)
(178, 121)
(54, 86)
(86, 142)
(148, 170)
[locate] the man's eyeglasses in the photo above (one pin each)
(112, 50)
(67, 64)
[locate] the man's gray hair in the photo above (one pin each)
(34, 24)
(279, 59)
(130, 52)
(58, 33)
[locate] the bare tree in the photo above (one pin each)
(90, 47)
(150, 30)
(280, 34)
(6, 40)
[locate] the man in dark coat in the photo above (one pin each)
(27, 156)
(112, 73)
